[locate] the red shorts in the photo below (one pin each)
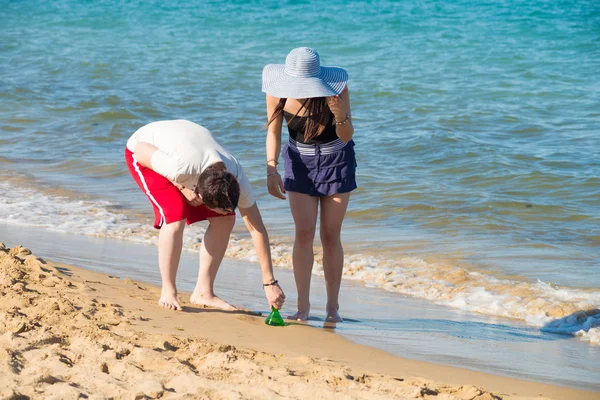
(168, 202)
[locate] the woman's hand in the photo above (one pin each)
(275, 185)
(192, 197)
(275, 296)
(339, 105)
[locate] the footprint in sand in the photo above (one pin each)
(134, 283)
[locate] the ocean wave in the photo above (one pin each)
(583, 324)
(552, 308)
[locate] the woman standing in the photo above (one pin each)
(319, 163)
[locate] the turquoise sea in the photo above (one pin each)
(477, 134)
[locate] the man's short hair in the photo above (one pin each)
(219, 189)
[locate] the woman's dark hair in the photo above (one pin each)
(218, 188)
(317, 111)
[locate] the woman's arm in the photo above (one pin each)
(340, 107)
(273, 145)
(260, 238)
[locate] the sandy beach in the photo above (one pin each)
(66, 332)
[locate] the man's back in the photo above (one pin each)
(185, 150)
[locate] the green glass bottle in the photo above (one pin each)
(274, 319)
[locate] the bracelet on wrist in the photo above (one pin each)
(336, 123)
(272, 173)
(273, 160)
(275, 282)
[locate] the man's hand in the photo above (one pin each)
(192, 197)
(275, 296)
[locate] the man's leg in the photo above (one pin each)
(212, 251)
(169, 205)
(170, 242)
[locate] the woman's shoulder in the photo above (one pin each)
(272, 99)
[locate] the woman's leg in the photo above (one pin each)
(212, 252)
(333, 210)
(170, 242)
(304, 210)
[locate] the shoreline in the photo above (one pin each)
(131, 313)
(460, 286)
(403, 326)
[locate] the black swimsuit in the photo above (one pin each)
(296, 129)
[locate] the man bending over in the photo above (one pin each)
(189, 177)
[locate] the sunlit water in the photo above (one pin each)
(476, 129)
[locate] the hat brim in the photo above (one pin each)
(331, 81)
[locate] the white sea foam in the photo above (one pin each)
(26, 207)
(554, 309)
(536, 303)
(592, 336)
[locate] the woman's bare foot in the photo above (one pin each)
(211, 301)
(333, 316)
(168, 300)
(299, 316)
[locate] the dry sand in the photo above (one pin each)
(69, 333)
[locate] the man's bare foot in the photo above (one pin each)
(333, 316)
(299, 316)
(211, 301)
(168, 300)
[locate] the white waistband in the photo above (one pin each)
(315, 149)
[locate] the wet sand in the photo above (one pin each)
(401, 325)
(67, 332)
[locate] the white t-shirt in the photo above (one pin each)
(185, 149)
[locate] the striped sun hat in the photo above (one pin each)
(303, 77)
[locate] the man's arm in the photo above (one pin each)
(260, 238)
(143, 153)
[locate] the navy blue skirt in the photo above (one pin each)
(319, 170)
